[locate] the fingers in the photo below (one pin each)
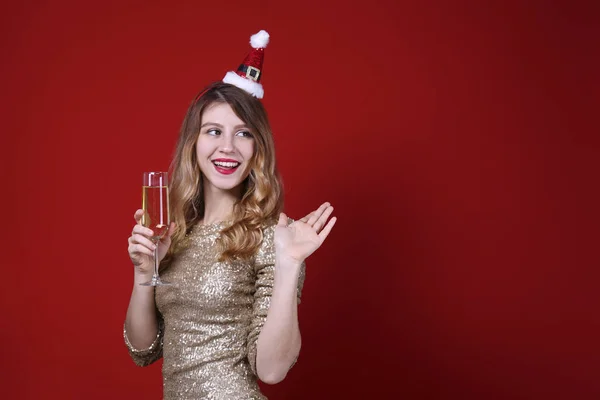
(139, 241)
(171, 230)
(317, 214)
(282, 220)
(307, 217)
(323, 219)
(138, 216)
(135, 249)
(142, 230)
(144, 241)
(325, 232)
(140, 244)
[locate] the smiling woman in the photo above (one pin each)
(224, 148)
(227, 125)
(235, 261)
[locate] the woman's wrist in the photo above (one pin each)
(141, 277)
(287, 270)
(284, 262)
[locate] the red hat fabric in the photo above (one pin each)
(249, 73)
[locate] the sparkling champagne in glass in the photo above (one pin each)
(155, 204)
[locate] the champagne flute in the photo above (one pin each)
(155, 204)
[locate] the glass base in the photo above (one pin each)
(156, 282)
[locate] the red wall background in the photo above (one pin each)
(455, 140)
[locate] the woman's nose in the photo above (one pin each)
(226, 145)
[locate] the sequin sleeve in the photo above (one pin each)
(264, 267)
(145, 357)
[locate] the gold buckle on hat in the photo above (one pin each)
(249, 71)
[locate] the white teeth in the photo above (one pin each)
(226, 164)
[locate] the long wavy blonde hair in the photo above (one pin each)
(262, 194)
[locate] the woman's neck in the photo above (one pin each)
(218, 204)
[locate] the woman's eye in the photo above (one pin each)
(213, 132)
(245, 134)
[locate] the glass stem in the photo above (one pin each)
(155, 276)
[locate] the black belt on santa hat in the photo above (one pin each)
(244, 68)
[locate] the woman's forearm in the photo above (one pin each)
(279, 342)
(141, 323)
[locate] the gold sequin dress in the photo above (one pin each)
(210, 319)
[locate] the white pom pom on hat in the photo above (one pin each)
(249, 73)
(259, 40)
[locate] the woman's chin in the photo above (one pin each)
(226, 186)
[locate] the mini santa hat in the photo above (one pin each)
(248, 74)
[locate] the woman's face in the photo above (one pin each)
(224, 147)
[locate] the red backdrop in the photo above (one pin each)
(454, 139)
